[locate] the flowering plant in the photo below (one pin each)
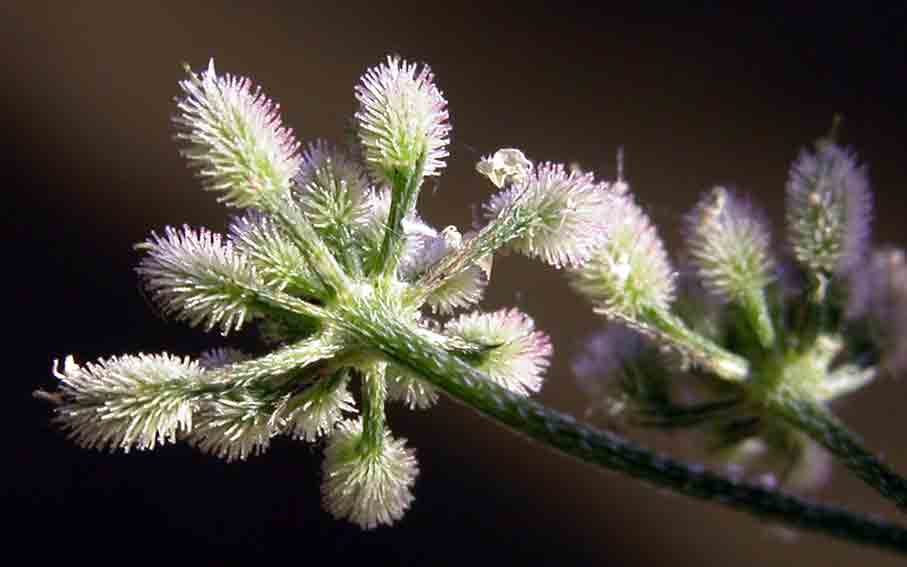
(329, 259)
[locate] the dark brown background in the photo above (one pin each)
(696, 97)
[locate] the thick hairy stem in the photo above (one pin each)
(816, 421)
(397, 342)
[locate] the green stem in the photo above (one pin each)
(756, 309)
(408, 349)
(674, 331)
(815, 420)
(404, 195)
(374, 393)
(815, 312)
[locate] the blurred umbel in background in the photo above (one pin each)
(696, 98)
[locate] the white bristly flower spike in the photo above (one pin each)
(315, 413)
(235, 138)
(196, 276)
(402, 118)
(277, 259)
(630, 271)
(333, 189)
(367, 487)
(133, 401)
(234, 428)
(828, 209)
(411, 390)
(565, 210)
(729, 246)
(517, 355)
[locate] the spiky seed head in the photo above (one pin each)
(402, 118)
(630, 270)
(564, 212)
(313, 415)
(235, 138)
(412, 391)
(729, 245)
(828, 209)
(274, 255)
(369, 487)
(132, 401)
(458, 292)
(235, 426)
(196, 276)
(508, 166)
(333, 189)
(517, 355)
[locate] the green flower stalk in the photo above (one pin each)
(329, 260)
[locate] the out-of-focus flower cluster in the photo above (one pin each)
(824, 329)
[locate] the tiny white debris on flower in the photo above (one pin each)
(367, 487)
(507, 166)
(424, 249)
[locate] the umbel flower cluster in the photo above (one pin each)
(362, 303)
(739, 341)
(329, 259)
